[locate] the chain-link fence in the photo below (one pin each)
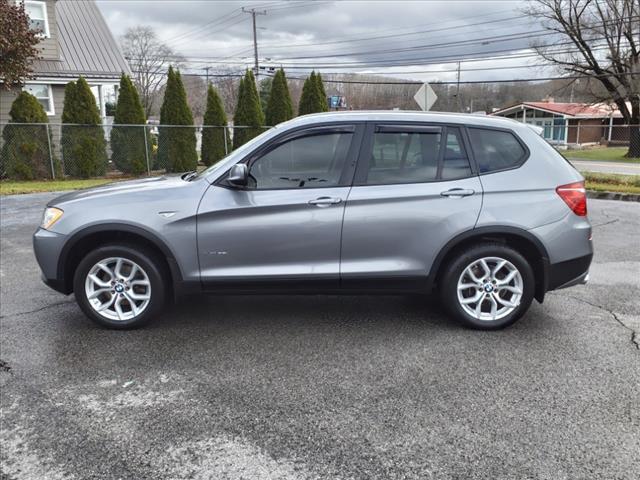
(49, 151)
(54, 150)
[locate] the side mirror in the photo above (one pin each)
(238, 175)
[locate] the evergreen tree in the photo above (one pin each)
(176, 145)
(279, 108)
(306, 98)
(264, 91)
(213, 139)
(83, 145)
(128, 142)
(248, 112)
(321, 95)
(25, 153)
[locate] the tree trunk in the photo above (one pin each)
(634, 129)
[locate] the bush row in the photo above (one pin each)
(29, 151)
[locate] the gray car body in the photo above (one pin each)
(378, 238)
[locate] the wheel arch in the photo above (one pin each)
(519, 239)
(89, 238)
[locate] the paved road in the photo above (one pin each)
(323, 387)
(606, 167)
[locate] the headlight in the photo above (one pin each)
(51, 216)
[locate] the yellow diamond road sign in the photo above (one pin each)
(425, 97)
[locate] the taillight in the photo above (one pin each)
(574, 195)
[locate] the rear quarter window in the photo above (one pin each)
(496, 150)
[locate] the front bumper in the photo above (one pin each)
(47, 247)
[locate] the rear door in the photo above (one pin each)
(415, 189)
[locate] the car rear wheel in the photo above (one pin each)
(488, 286)
(119, 286)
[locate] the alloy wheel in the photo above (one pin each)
(490, 288)
(118, 288)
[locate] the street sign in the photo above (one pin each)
(425, 97)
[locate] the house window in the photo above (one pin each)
(37, 11)
(44, 95)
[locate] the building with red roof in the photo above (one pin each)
(571, 123)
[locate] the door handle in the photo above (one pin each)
(457, 193)
(325, 201)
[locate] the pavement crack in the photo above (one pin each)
(57, 304)
(4, 366)
(605, 223)
(635, 340)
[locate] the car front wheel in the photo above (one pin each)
(488, 286)
(119, 286)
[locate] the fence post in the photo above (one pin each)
(53, 170)
(146, 150)
(225, 140)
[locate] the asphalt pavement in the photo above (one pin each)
(620, 168)
(322, 387)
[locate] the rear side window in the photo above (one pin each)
(456, 162)
(417, 157)
(496, 149)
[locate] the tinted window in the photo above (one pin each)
(414, 157)
(305, 162)
(404, 158)
(495, 149)
(456, 162)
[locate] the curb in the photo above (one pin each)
(625, 197)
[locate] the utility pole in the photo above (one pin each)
(458, 90)
(253, 13)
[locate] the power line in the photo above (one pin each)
(415, 82)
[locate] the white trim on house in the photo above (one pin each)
(43, 5)
(64, 81)
(52, 108)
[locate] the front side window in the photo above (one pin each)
(305, 162)
(496, 149)
(43, 94)
(37, 12)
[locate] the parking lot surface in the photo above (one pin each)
(317, 387)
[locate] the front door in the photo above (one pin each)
(414, 190)
(283, 229)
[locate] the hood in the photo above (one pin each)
(144, 185)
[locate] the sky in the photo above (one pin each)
(420, 40)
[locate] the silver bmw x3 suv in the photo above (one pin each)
(480, 209)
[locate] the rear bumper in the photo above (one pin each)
(569, 273)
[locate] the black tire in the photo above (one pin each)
(146, 260)
(454, 269)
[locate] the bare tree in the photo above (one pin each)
(149, 60)
(599, 39)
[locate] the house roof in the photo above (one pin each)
(573, 110)
(87, 46)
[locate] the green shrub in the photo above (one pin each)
(25, 154)
(83, 144)
(176, 145)
(214, 137)
(128, 142)
(321, 95)
(279, 108)
(248, 112)
(313, 98)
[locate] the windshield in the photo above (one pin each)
(238, 151)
